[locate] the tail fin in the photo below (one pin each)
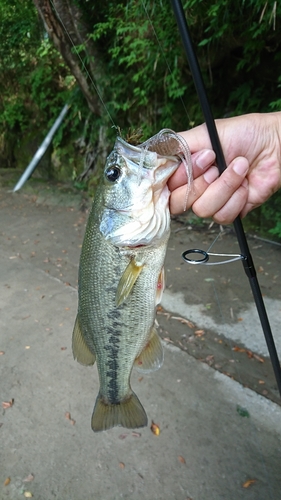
(128, 413)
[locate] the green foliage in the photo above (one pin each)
(144, 63)
(145, 81)
(271, 216)
(237, 45)
(34, 81)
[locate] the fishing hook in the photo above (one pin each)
(247, 260)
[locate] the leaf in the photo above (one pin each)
(136, 434)
(123, 436)
(238, 349)
(121, 465)
(184, 321)
(167, 339)
(243, 412)
(8, 404)
(249, 482)
(7, 481)
(181, 459)
(258, 358)
(27, 494)
(155, 428)
(68, 417)
(168, 315)
(28, 479)
(249, 353)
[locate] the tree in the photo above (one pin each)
(33, 80)
(121, 62)
(126, 56)
(127, 59)
(67, 29)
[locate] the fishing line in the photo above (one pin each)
(215, 299)
(163, 54)
(245, 255)
(84, 68)
(247, 260)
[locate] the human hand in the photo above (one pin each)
(252, 149)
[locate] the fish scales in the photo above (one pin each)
(121, 279)
(97, 306)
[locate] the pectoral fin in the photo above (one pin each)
(152, 356)
(127, 281)
(80, 350)
(160, 286)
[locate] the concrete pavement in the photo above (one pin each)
(218, 440)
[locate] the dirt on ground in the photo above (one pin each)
(222, 291)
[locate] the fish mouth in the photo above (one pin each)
(138, 214)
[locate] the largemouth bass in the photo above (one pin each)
(121, 277)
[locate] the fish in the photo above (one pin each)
(121, 273)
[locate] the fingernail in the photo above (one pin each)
(241, 166)
(205, 159)
(211, 175)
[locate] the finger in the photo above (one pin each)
(222, 189)
(234, 206)
(201, 161)
(248, 207)
(178, 201)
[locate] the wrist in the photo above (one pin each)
(273, 123)
(277, 120)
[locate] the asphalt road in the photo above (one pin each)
(218, 440)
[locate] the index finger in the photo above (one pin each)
(201, 161)
(197, 138)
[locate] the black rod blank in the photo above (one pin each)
(212, 130)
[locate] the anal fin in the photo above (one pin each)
(152, 356)
(127, 281)
(80, 350)
(128, 413)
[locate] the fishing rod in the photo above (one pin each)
(247, 260)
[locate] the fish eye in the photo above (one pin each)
(112, 173)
